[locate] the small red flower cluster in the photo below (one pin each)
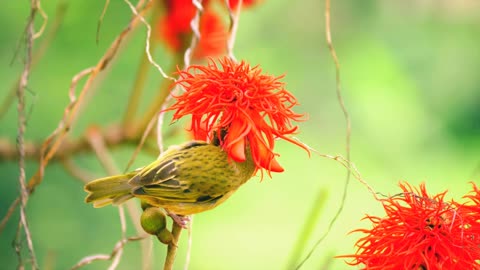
(175, 28)
(422, 232)
(254, 109)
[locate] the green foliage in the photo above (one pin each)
(410, 79)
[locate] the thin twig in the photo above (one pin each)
(9, 213)
(189, 244)
(187, 57)
(100, 20)
(101, 151)
(38, 8)
(172, 247)
(147, 41)
(98, 144)
(77, 172)
(145, 134)
(142, 74)
(30, 32)
(346, 115)
(54, 141)
(114, 135)
(37, 55)
(123, 226)
(195, 26)
(106, 257)
(234, 22)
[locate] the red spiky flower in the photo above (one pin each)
(419, 231)
(471, 215)
(254, 109)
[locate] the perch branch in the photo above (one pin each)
(172, 247)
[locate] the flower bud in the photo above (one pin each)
(165, 236)
(153, 220)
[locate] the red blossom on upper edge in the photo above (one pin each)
(252, 107)
(418, 232)
(175, 28)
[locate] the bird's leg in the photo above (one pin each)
(182, 221)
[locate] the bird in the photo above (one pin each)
(193, 177)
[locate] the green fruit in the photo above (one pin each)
(165, 236)
(153, 220)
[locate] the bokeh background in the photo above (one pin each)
(410, 77)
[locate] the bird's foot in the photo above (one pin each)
(182, 221)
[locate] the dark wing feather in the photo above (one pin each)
(161, 179)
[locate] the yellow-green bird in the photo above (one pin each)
(187, 179)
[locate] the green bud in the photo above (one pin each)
(165, 236)
(153, 220)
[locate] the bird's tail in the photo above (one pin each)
(109, 190)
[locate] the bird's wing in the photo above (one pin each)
(161, 179)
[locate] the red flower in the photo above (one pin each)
(418, 232)
(245, 3)
(175, 29)
(175, 26)
(252, 107)
(213, 40)
(471, 214)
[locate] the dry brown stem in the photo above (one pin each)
(106, 257)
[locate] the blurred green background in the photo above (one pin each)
(410, 77)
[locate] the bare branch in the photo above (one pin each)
(147, 41)
(113, 136)
(9, 213)
(234, 21)
(21, 131)
(54, 141)
(106, 257)
(37, 55)
(76, 171)
(95, 139)
(195, 25)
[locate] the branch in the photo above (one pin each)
(106, 257)
(142, 72)
(53, 142)
(30, 35)
(113, 136)
(37, 55)
(172, 247)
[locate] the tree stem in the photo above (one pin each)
(172, 247)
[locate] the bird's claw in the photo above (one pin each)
(182, 221)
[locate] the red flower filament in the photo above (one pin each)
(252, 107)
(418, 232)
